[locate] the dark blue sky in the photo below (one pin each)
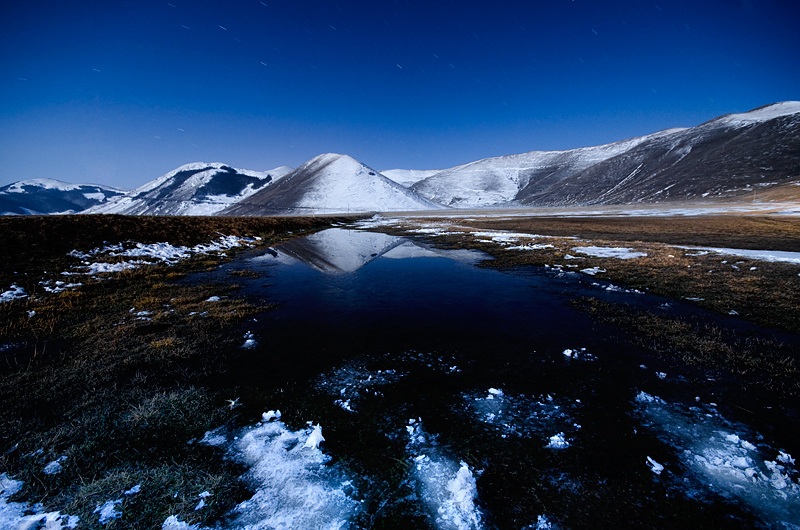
(120, 92)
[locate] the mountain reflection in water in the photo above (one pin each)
(456, 396)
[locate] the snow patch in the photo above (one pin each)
(14, 292)
(54, 467)
(448, 489)
(610, 252)
(295, 486)
(718, 456)
(173, 523)
(152, 253)
(762, 255)
(108, 511)
(21, 516)
(558, 441)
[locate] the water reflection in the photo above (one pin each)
(532, 411)
(338, 251)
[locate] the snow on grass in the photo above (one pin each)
(448, 488)
(249, 341)
(58, 286)
(558, 441)
(295, 484)
(14, 292)
(149, 254)
(578, 354)
(718, 456)
(19, 515)
(762, 255)
(616, 289)
(54, 467)
(592, 271)
(108, 511)
(610, 252)
(174, 523)
(542, 523)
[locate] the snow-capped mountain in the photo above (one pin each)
(48, 196)
(331, 183)
(498, 180)
(726, 157)
(408, 177)
(193, 189)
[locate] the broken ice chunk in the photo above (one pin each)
(655, 467)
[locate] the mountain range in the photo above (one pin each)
(729, 157)
(49, 196)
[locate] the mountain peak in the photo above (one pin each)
(332, 182)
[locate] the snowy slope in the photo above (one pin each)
(499, 180)
(192, 189)
(331, 183)
(48, 196)
(409, 177)
(726, 157)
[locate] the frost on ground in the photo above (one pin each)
(295, 486)
(718, 455)
(20, 515)
(447, 488)
(524, 416)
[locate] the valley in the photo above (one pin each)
(468, 371)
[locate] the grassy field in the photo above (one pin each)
(113, 378)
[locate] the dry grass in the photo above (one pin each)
(767, 364)
(731, 231)
(117, 391)
(762, 292)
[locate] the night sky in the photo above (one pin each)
(119, 93)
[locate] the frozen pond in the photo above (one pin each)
(419, 390)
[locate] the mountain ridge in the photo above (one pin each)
(44, 196)
(723, 158)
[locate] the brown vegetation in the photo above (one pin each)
(119, 374)
(759, 291)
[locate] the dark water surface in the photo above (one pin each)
(455, 396)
